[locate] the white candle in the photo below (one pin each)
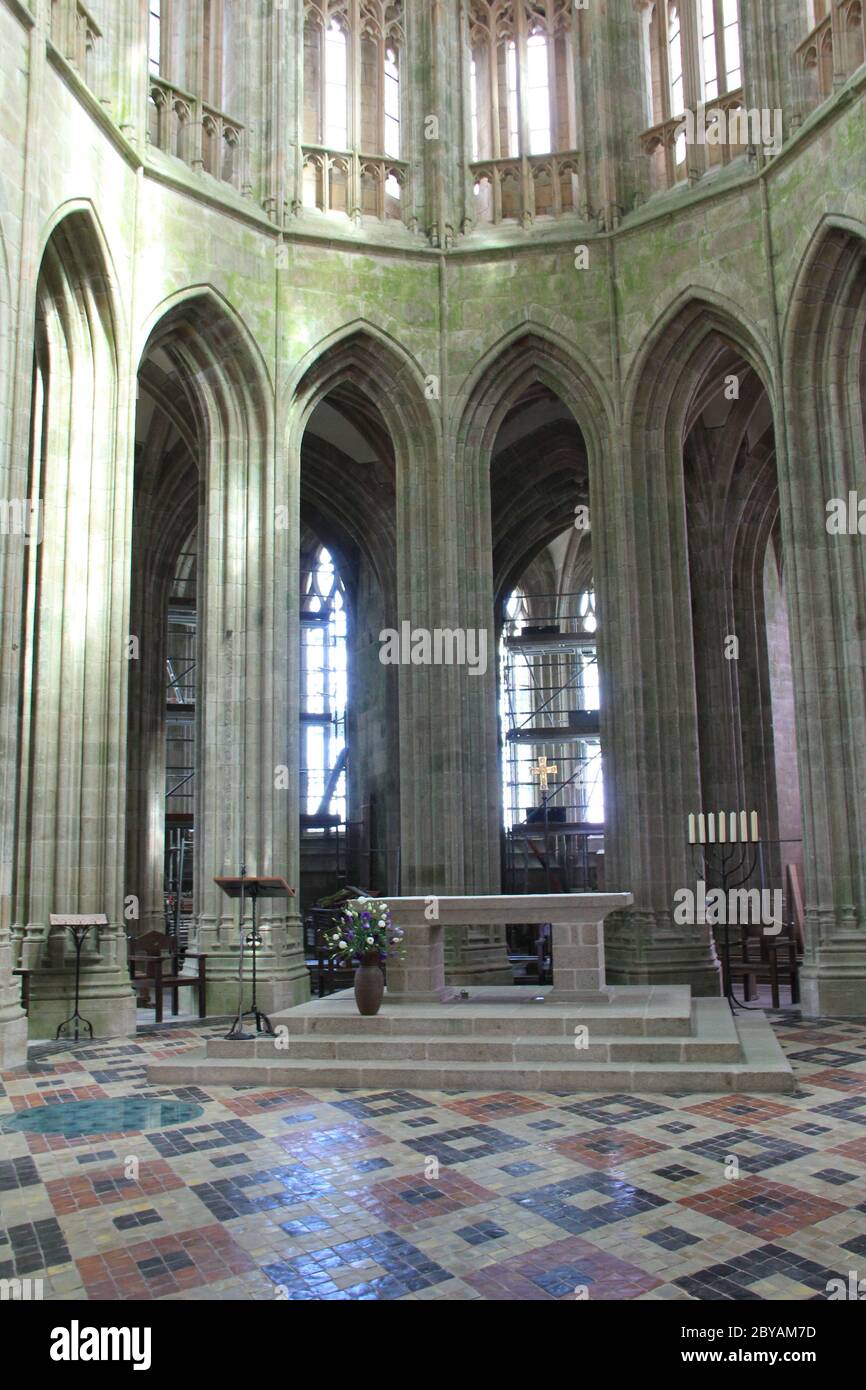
(702, 828)
(722, 827)
(691, 827)
(754, 826)
(711, 827)
(744, 827)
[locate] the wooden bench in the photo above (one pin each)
(154, 951)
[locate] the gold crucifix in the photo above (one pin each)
(543, 772)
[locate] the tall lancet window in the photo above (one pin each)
(513, 99)
(675, 61)
(731, 37)
(336, 113)
(391, 104)
(324, 689)
(154, 37)
(721, 65)
(353, 107)
(517, 702)
(538, 94)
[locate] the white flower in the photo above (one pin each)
(370, 941)
(342, 945)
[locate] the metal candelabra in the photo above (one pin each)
(729, 853)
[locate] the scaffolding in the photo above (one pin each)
(180, 691)
(551, 742)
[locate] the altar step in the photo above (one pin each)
(644, 1040)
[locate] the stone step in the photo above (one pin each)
(652, 1012)
(762, 1068)
(713, 1037)
(412, 1047)
(418, 1032)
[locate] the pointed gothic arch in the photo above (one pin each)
(207, 465)
(74, 649)
(370, 508)
(701, 501)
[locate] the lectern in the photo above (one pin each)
(253, 888)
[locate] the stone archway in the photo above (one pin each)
(654, 748)
(208, 463)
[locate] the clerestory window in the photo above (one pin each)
(521, 77)
(721, 64)
(352, 80)
(154, 37)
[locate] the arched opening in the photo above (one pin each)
(349, 731)
(527, 468)
(165, 678)
(550, 745)
(742, 651)
(715, 701)
(209, 734)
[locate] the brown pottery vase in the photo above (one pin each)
(369, 985)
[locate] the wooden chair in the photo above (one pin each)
(327, 975)
(769, 960)
(532, 961)
(774, 960)
(155, 951)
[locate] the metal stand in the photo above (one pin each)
(237, 1032)
(254, 941)
(734, 863)
(78, 935)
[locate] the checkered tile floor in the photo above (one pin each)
(371, 1195)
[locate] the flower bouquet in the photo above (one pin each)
(367, 935)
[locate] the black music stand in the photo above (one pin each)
(253, 888)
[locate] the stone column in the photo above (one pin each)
(13, 1021)
(466, 726)
(246, 703)
(649, 727)
(16, 379)
(825, 581)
